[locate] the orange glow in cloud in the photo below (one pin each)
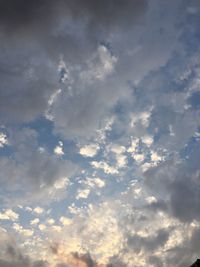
(74, 259)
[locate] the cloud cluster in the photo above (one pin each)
(178, 183)
(34, 36)
(16, 259)
(31, 170)
(95, 41)
(117, 86)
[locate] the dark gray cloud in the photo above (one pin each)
(159, 205)
(15, 258)
(40, 263)
(91, 101)
(195, 241)
(30, 170)
(28, 78)
(180, 256)
(19, 15)
(86, 258)
(25, 262)
(155, 261)
(179, 180)
(41, 32)
(33, 37)
(151, 243)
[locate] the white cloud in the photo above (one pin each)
(29, 209)
(3, 139)
(9, 215)
(142, 117)
(155, 160)
(139, 157)
(146, 166)
(41, 149)
(100, 65)
(63, 70)
(104, 166)
(83, 193)
(155, 157)
(38, 210)
(117, 149)
(42, 227)
(151, 199)
(56, 228)
(89, 150)
(65, 220)
(51, 100)
(51, 221)
(73, 209)
(101, 225)
(137, 191)
(61, 183)
(134, 145)
(34, 221)
(147, 140)
(19, 229)
(95, 182)
(58, 150)
(121, 160)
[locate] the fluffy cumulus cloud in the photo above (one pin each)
(89, 150)
(99, 133)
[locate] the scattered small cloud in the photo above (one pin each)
(89, 150)
(58, 150)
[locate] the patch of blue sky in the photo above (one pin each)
(6, 151)
(191, 145)
(47, 138)
(44, 128)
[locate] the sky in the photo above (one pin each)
(99, 133)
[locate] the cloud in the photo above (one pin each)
(39, 173)
(150, 243)
(61, 183)
(83, 193)
(85, 102)
(58, 150)
(23, 231)
(86, 38)
(29, 78)
(22, 16)
(89, 150)
(9, 215)
(35, 221)
(38, 210)
(3, 140)
(35, 35)
(15, 258)
(119, 80)
(95, 182)
(42, 227)
(84, 260)
(65, 220)
(100, 223)
(179, 179)
(104, 166)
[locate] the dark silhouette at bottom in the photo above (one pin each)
(196, 263)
